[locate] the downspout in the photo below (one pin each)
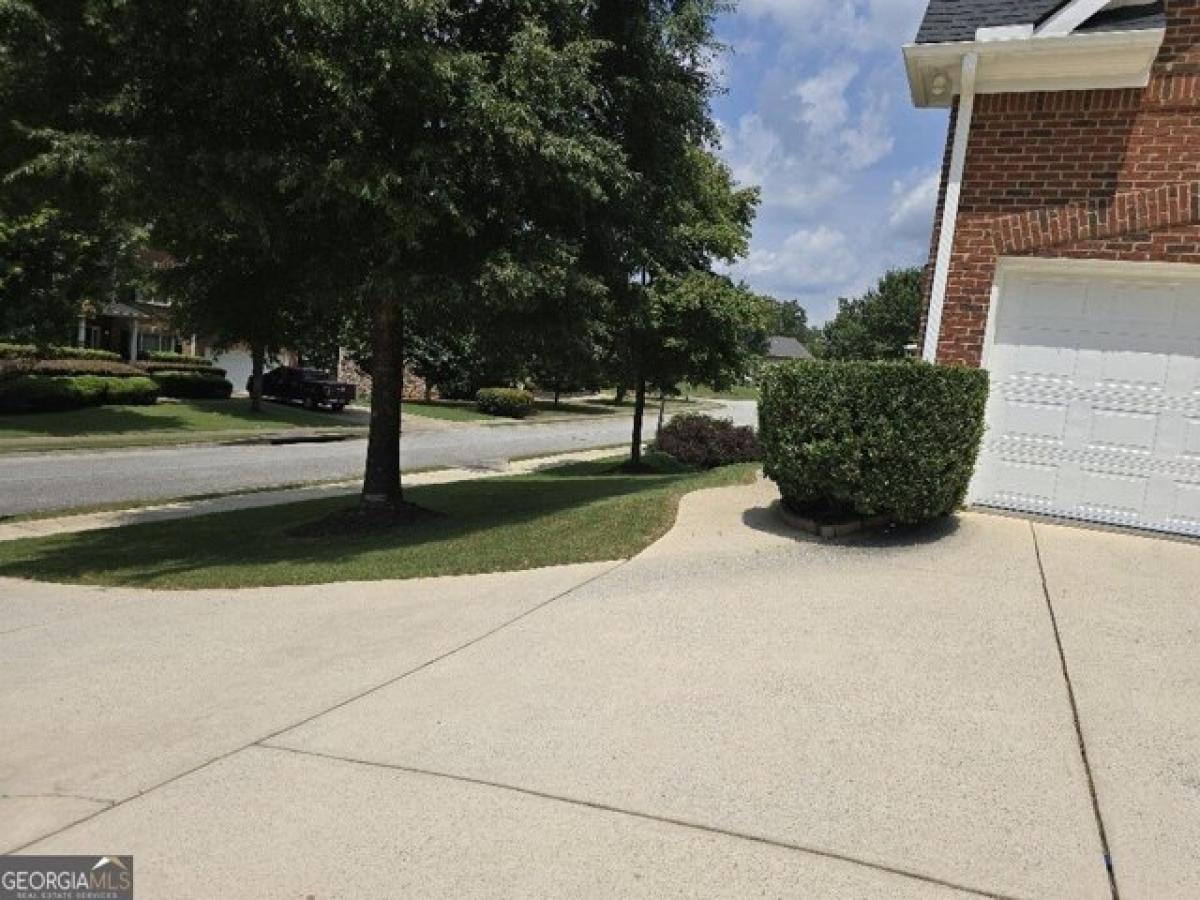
(945, 247)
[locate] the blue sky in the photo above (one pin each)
(817, 114)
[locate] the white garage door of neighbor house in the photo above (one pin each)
(237, 365)
(1094, 410)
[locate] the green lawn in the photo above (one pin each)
(168, 421)
(465, 411)
(577, 513)
(674, 405)
(450, 410)
(739, 392)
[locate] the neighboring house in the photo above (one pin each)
(1066, 249)
(780, 348)
(132, 326)
(132, 323)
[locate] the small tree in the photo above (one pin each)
(878, 325)
(702, 328)
(707, 218)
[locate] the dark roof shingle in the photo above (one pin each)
(957, 20)
(782, 347)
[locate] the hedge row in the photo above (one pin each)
(29, 351)
(511, 402)
(164, 356)
(206, 367)
(42, 393)
(13, 367)
(868, 438)
(192, 385)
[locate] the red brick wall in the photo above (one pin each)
(1111, 174)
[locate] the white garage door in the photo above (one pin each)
(1095, 405)
(238, 366)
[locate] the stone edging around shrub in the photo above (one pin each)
(828, 530)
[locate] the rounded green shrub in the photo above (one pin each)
(897, 439)
(704, 442)
(45, 393)
(510, 402)
(29, 351)
(192, 385)
(186, 359)
(137, 391)
(206, 368)
(10, 367)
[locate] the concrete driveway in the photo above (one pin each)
(736, 712)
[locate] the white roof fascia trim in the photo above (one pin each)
(945, 247)
(1070, 17)
(1004, 33)
(1107, 59)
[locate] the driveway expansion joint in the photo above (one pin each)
(597, 806)
(291, 726)
(1109, 867)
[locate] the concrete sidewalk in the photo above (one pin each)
(735, 712)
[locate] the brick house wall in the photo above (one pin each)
(1101, 174)
(414, 387)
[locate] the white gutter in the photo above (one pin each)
(958, 160)
(1071, 17)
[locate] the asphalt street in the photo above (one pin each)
(51, 481)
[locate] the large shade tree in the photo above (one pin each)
(441, 153)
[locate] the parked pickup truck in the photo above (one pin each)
(312, 387)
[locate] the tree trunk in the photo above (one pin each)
(381, 481)
(622, 393)
(258, 358)
(639, 412)
(662, 411)
(557, 394)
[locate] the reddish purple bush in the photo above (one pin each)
(705, 442)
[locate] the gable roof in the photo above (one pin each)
(787, 348)
(958, 20)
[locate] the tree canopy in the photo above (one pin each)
(878, 325)
(62, 242)
(530, 177)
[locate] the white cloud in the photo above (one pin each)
(808, 259)
(823, 104)
(789, 179)
(870, 139)
(913, 202)
(851, 24)
(818, 122)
